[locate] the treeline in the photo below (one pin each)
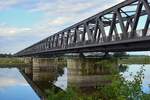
(120, 54)
(125, 54)
(6, 55)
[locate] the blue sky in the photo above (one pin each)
(24, 22)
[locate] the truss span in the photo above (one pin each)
(123, 27)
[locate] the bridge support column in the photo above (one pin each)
(81, 55)
(28, 70)
(44, 69)
(106, 55)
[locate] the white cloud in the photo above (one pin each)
(12, 79)
(5, 4)
(61, 14)
(71, 6)
(7, 82)
(9, 31)
(58, 14)
(59, 20)
(63, 7)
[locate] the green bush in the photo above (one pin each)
(119, 89)
(122, 89)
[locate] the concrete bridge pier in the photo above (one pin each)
(81, 55)
(44, 69)
(28, 70)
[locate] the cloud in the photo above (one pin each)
(71, 6)
(62, 14)
(5, 4)
(57, 15)
(59, 21)
(7, 31)
(14, 78)
(11, 82)
(63, 7)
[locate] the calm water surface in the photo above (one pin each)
(30, 83)
(14, 87)
(134, 68)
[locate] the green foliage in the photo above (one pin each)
(10, 61)
(120, 54)
(107, 64)
(122, 89)
(69, 94)
(6, 55)
(119, 89)
(135, 60)
(123, 67)
(72, 93)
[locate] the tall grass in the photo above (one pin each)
(10, 61)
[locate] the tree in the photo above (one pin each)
(120, 54)
(6, 55)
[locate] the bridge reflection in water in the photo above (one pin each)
(83, 73)
(89, 72)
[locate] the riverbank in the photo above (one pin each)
(12, 61)
(134, 60)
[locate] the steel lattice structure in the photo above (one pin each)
(124, 27)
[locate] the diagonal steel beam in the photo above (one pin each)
(147, 7)
(95, 29)
(101, 25)
(124, 32)
(136, 19)
(146, 27)
(112, 27)
(89, 32)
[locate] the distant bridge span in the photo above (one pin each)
(124, 27)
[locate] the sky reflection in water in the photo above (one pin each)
(134, 68)
(14, 87)
(62, 80)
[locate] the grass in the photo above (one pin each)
(11, 62)
(134, 60)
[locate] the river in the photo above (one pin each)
(33, 82)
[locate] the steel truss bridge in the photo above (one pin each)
(123, 27)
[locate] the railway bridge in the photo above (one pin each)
(123, 27)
